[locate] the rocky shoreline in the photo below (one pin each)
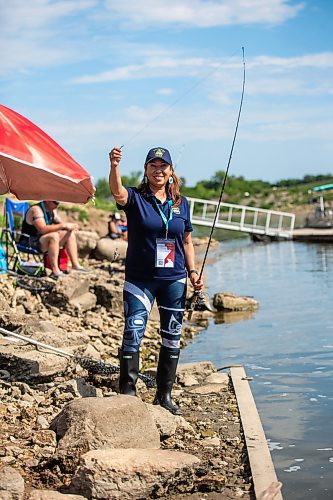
(56, 440)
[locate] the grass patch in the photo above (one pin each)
(82, 213)
(104, 204)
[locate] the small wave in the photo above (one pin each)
(292, 468)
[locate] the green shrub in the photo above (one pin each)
(82, 213)
(268, 206)
(104, 204)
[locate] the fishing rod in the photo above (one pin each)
(198, 297)
(90, 364)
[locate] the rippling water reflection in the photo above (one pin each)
(287, 347)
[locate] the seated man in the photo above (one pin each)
(48, 234)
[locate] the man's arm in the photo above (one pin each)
(36, 217)
(120, 194)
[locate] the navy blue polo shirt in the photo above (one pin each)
(145, 225)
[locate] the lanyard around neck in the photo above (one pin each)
(164, 219)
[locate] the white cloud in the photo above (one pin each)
(319, 60)
(155, 67)
(165, 91)
(22, 56)
(309, 74)
(32, 33)
(18, 15)
(42, 33)
(288, 130)
(174, 65)
(137, 125)
(203, 13)
(275, 128)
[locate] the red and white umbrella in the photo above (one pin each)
(34, 167)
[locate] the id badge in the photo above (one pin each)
(165, 253)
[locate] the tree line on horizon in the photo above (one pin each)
(236, 186)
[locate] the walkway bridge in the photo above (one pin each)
(256, 221)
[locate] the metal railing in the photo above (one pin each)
(242, 218)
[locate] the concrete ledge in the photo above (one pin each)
(314, 235)
(264, 477)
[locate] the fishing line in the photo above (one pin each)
(179, 156)
(173, 103)
(199, 295)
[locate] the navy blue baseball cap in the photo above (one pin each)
(159, 154)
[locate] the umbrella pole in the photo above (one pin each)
(35, 342)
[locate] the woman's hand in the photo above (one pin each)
(115, 157)
(196, 282)
(120, 194)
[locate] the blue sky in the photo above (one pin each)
(98, 73)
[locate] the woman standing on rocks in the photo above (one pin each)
(160, 251)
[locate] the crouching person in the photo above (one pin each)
(160, 253)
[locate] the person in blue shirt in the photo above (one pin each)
(159, 258)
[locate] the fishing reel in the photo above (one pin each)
(197, 303)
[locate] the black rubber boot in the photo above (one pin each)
(129, 369)
(165, 377)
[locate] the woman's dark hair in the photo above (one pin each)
(173, 189)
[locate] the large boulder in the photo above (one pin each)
(85, 302)
(129, 473)
(72, 290)
(86, 242)
(48, 333)
(227, 301)
(193, 373)
(109, 295)
(107, 248)
(22, 363)
(166, 422)
(115, 422)
(11, 484)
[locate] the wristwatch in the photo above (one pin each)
(193, 271)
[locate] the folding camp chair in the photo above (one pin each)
(14, 213)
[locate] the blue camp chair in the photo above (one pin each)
(14, 213)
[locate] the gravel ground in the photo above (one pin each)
(28, 445)
(27, 407)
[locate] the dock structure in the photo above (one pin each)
(258, 222)
(265, 481)
(252, 220)
(313, 235)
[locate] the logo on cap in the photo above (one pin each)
(159, 152)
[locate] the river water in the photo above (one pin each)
(287, 347)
